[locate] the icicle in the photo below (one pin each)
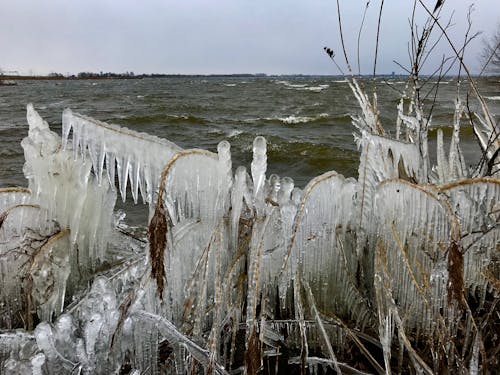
(456, 163)
(274, 188)
(285, 193)
(118, 143)
(225, 168)
(237, 194)
(134, 175)
(110, 168)
(122, 167)
(399, 120)
(442, 164)
(67, 124)
(259, 166)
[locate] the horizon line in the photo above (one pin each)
(131, 75)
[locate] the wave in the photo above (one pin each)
(291, 85)
(317, 88)
(229, 84)
(493, 97)
(234, 133)
(302, 86)
(57, 103)
(296, 119)
(394, 82)
(10, 151)
(162, 118)
(292, 119)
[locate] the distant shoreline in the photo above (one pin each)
(92, 76)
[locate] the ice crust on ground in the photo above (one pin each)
(246, 254)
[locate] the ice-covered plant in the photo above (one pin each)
(248, 273)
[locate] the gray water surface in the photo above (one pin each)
(306, 121)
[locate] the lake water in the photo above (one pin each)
(306, 121)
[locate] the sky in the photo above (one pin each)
(221, 36)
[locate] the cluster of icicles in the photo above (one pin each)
(246, 271)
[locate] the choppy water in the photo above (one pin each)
(305, 120)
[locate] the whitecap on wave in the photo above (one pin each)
(291, 85)
(292, 119)
(317, 88)
(302, 86)
(493, 97)
(234, 133)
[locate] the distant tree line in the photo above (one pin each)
(87, 75)
(128, 75)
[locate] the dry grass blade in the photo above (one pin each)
(6, 213)
(377, 42)
(253, 353)
(304, 350)
(494, 281)
(469, 181)
(157, 236)
(310, 297)
(323, 361)
(159, 224)
(456, 274)
(3, 216)
(124, 309)
(15, 190)
(355, 335)
(424, 368)
(175, 337)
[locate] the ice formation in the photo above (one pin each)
(132, 156)
(245, 263)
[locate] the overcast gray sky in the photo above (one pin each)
(218, 36)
